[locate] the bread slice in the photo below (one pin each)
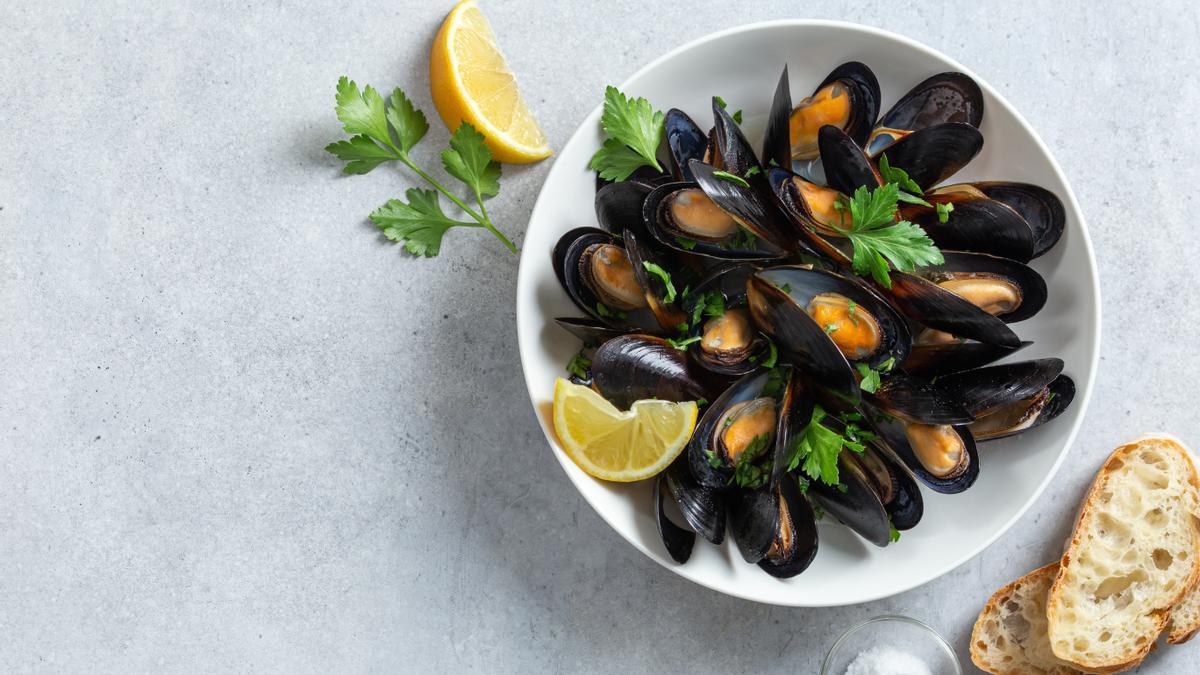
(1185, 618)
(1009, 637)
(1135, 553)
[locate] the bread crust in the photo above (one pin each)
(992, 609)
(1161, 615)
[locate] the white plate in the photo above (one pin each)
(742, 65)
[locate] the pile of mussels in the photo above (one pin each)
(785, 277)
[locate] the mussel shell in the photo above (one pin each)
(933, 154)
(565, 258)
(891, 432)
(795, 411)
(930, 304)
(685, 140)
(730, 280)
(728, 195)
(777, 144)
(677, 540)
(668, 314)
(847, 167)
(592, 332)
(619, 206)
(1040, 208)
(919, 400)
(941, 98)
(855, 502)
(746, 388)
(634, 367)
(804, 534)
(943, 359)
(1060, 393)
(1031, 284)
(782, 315)
(987, 389)
(702, 507)
(753, 516)
(864, 88)
(643, 174)
(736, 153)
(979, 225)
(900, 496)
(804, 224)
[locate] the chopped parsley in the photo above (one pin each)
(773, 357)
(816, 450)
(746, 473)
(830, 327)
(870, 376)
(737, 116)
(608, 312)
(852, 311)
(894, 534)
(665, 276)
(909, 191)
(710, 304)
(579, 365)
(685, 243)
(731, 178)
(944, 210)
(682, 343)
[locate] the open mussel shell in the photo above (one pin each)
(795, 411)
(643, 174)
(809, 208)
(776, 140)
(848, 98)
(795, 543)
(657, 293)
(1040, 208)
(927, 303)
(685, 140)
(677, 540)
(619, 206)
(933, 154)
(753, 521)
(632, 367)
(919, 400)
(942, 457)
(592, 332)
(1006, 289)
(897, 489)
(938, 99)
(702, 507)
(933, 360)
(854, 501)
(986, 390)
(744, 418)
(733, 152)
(847, 166)
(1026, 414)
(977, 223)
(823, 322)
(594, 268)
(729, 342)
(712, 218)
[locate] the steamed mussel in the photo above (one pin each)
(735, 278)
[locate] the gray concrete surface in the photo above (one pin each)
(238, 432)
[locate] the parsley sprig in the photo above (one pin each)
(635, 130)
(871, 376)
(386, 131)
(878, 239)
(815, 451)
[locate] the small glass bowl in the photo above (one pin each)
(904, 634)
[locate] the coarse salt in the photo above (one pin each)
(887, 661)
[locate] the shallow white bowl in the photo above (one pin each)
(742, 65)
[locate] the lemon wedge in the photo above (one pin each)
(620, 446)
(471, 82)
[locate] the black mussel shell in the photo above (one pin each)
(668, 314)
(799, 556)
(943, 359)
(862, 90)
(643, 174)
(777, 143)
(566, 256)
(985, 390)
(753, 520)
(918, 400)
(925, 302)
(634, 367)
(1040, 208)
(592, 332)
(779, 297)
(847, 167)
(961, 265)
(897, 489)
(855, 502)
(795, 411)
(804, 223)
(619, 206)
(736, 153)
(1043, 407)
(729, 280)
(945, 97)
(977, 224)
(677, 540)
(702, 507)
(933, 154)
(760, 215)
(685, 140)
(747, 388)
(734, 197)
(892, 433)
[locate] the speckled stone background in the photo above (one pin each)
(239, 432)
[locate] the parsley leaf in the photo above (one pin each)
(710, 304)
(737, 116)
(893, 534)
(910, 192)
(746, 473)
(470, 161)
(830, 327)
(870, 378)
(635, 130)
(943, 211)
(666, 279)
(772, 355)
(816, 450)
(407, 121)
(682, 343)
(579, 364)
(731, 178)
(878, 239)
(686, 244)
(713, 460)
(419, 223)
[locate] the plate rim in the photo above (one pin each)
(592, 118)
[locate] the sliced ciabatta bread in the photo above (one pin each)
(1134, 553)
(1009, 637)
(1185, 617)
